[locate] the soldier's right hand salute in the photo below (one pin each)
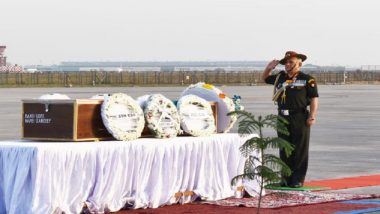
(272, 65)
(268, 70)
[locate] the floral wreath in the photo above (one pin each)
(122, 117)
(162, 117)
(142, 100)
(99, 96)
(225, 104)
(194, 110)
(54, 96)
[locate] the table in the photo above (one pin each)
(47, 177)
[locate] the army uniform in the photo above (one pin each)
(293, 96)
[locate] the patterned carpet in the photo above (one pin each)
(278, 199)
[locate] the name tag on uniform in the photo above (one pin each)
(299, 83)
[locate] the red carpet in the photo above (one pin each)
(346, 183)
(326, 208)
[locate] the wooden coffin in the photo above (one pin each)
(63, 120)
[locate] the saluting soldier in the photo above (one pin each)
(294, 91)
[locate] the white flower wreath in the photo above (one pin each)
(54, 96)
(225, 104)
(196, 116)
(142, 100)
(99, 96)
(162, 117)
(122, 117)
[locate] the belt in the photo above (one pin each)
(287, 112)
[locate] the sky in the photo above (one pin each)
(329, 32)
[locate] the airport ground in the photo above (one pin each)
(345, 141)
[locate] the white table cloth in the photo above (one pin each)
(48, 177)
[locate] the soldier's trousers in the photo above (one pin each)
(299, 135)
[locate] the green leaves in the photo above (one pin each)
(250, 145)
(275, 162)
(281, 124)
(249, 124)
(276, 142)
(265, 168)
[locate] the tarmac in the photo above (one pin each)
(345, 141)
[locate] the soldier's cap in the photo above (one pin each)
(290, 54)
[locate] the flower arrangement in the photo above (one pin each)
(230, 105)
(142, 100)
(122, 117)
(54, 96)
(99, 96)
(196, 116)
(237, 102)
(225, 104)
(162, 117)
(207, 86)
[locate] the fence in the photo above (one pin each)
(97, 78)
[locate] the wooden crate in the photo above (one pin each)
(63, 120)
